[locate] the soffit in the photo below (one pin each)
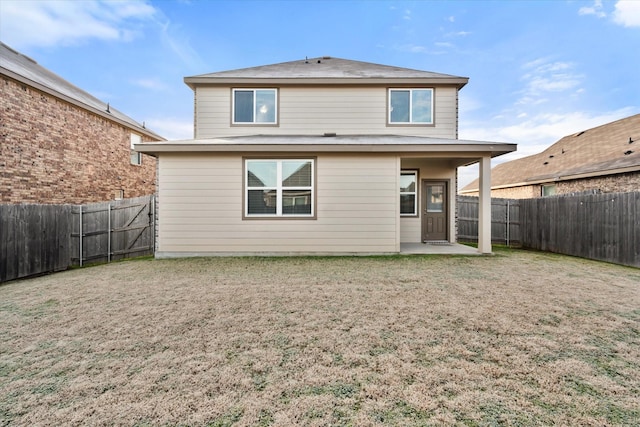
(334, 144)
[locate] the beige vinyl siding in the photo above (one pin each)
(431, 169)
(318, 110)
(201, 208)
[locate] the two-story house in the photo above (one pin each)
(317, 156)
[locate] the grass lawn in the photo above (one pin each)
(520, 338)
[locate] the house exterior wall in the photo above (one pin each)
(429, 169)
(201, 196)
(318, 110)
(618, 183)
(55, 152)
(522, 192)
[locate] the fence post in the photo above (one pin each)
(508, 219)
(109, 232)
(80, 235)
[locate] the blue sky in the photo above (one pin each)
(538, 70)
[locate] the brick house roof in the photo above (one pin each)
(24, 69)
(604, 150)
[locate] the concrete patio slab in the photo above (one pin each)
(437, 248)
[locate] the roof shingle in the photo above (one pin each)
(328, 68)
(598, 151)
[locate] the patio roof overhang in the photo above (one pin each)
(467, 151)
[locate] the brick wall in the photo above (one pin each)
(619, 183)
(54, 152)
(524, 192)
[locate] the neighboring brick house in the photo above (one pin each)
(603, 159)
(59, 144)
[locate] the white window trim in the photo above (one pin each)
(411, 122)
(279, 189)
(254, 90)
(414, 193)
(135, 139)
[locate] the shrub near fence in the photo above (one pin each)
(37, 239)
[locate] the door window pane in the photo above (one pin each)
(435, 198)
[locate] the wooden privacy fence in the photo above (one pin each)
(603, 226)
(34, 239)
(108, 231)
(37, 239)
(505, 220)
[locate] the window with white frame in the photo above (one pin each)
(255, 106)
(411, 106)
(279, 188)
(136, 157)
(409, 193)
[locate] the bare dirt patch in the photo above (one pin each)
(520, 338)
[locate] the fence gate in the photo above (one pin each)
(109, 231)
(505, 220)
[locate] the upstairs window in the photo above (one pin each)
(279, 188)
(136, 158)
(411, 106)
(254, 106)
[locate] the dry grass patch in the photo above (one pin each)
(520, 338)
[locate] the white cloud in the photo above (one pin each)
(171, 128)
(627, 13)
(596, 9)
(149, 83)
(543, 76)
(50, 23)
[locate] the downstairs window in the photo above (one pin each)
(279, 188)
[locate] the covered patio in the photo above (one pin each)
(437, 248)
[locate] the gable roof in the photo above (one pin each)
(326, 70)
(25, 70)
(604, 150)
